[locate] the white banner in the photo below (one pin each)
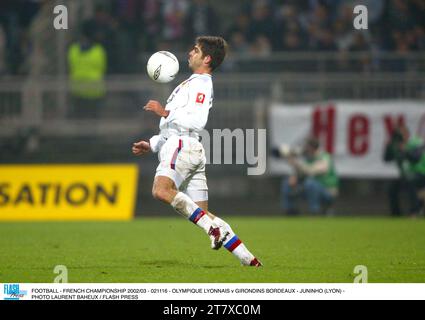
(207, 291)
(354, 132)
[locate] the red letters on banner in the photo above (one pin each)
(358, 129)
(358, 135)
(324, 126)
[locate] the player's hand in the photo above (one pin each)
(140, 148)
(155, 107)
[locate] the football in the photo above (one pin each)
(162, 66)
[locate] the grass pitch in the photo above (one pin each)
(173, 250)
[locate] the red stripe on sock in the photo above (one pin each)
(235, 245)
(199, 216)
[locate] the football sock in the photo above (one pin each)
(234, 245)
(189, 209)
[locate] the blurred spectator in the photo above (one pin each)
(106, 32)
(401, 149)
(402, 20)
(128, 28)
(420, 38)
(343, 26)
(24, 142)
(414, 154)
(13, 30)
(173, 16)
(261, 47)
(360, 44)
(292, 42)
(201, 20)
(315, 179)
(238, 43)
(299, 5)
(262, 23)
(418, 9)
(416, 157)
(399, 17)
(152, 24)
(241, 25)
(87, 61)
(15, 17)
(318, 24)
(2, 50)
(291, 37)
(325, 41)
(237, 36)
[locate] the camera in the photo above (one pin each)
(285, 150)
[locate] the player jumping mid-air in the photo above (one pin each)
(180, 176)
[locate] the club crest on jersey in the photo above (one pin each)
(200, 97)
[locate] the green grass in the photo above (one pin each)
(174, 250)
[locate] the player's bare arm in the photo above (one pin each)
(155, 107)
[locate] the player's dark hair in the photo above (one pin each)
(215, 47)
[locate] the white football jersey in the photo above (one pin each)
(189, 106)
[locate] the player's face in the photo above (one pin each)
(195, 57)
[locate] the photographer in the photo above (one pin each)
(315, 178)
(408, 153)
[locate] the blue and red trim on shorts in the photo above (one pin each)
(176, 153)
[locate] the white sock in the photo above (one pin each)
(234, 245)
(189, 209)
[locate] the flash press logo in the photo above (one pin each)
(13, 292)
(61, 19)
(361, 274)
(361, 20)
(250, 148)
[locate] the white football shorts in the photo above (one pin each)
(182, 159)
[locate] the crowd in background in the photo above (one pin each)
(127, 28)
(15, 20)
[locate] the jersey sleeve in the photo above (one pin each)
(194, 115)
(156, 143)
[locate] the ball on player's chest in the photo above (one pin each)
(162, 67)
